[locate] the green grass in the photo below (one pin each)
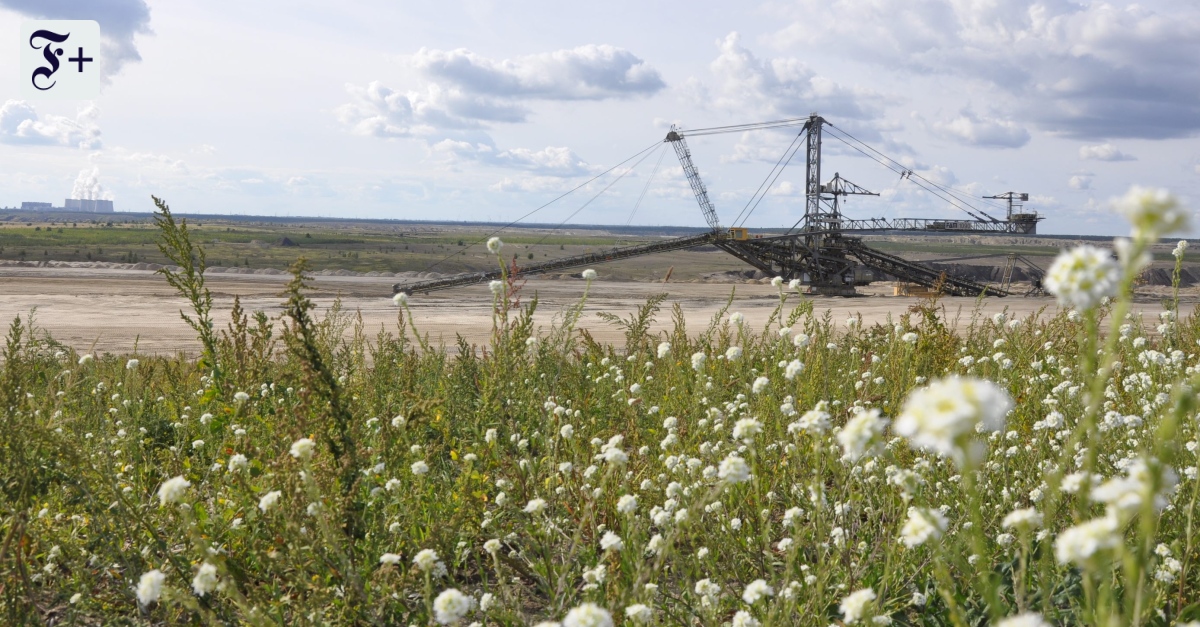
(511, 462)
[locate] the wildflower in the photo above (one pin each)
(919, 599)
(737, 318)
(1028, 619)
(777, 281)
(1125, 495)
(172, 490)
(302, 449)
(1079, 543)
(238, 462)
(922, 525)
(793, 368)
(733, 353)
(940, 416)
(760, 384)
(494, 245)
(490, 436)
(536, 506)
(400, 298)
(664, 349)
(497, 287)
(131, 364)
(615, 456)
(589, 275)
(910, 337)
(1180, 248)
(75, 598)
(419, 467)
(150, 586)
(627, 504)
(492, 546)
(756, 590)
(801, 340)
(389, 559)
(814, 421)
(638, 613)
(85, 359)
(450, 606)
(197, 445)
(487, 601)
(855, 605)
(734, 469)
(1152, 212)
(426, 559)
(744, 619)
(611, 542)
(858, 436)
(1028, 518)
(747, 428)
(205, 580)
(1082, 276)
(269, 500)
(588, 615)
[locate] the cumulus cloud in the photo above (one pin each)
(1104, 152)
(461, 95)
(120, 22)
(1080, 181)
(551, 160)
(784, 86)
(462, 91)
(21, 124)
(971, 129)
(585, 73)
(1086, 70)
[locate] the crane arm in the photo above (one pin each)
(693, 177)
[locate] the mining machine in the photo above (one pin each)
(818, 250)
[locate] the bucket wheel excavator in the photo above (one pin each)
(818, 250)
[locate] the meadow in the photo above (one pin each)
(814, 471)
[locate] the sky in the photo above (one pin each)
(487, 111)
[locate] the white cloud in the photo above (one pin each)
(550, 161)
(784, 86)
(1080, 181)
(120, 22)
(584, 73)
(20, 124)
(1104, 152)
(462, 91)
(1087, 70)
(970, 129)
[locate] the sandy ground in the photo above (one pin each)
(116, 310)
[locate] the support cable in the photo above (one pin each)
(556, 199)
(593, 198)
(777, 173)
(765, 184)
(645, 189)
(906, 173)
(912, 174)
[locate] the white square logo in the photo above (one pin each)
(60, 59)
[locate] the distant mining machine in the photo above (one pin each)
(817, 249)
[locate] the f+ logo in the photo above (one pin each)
(56, 60)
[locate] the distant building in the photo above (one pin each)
(36, 206)
(88, 206)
